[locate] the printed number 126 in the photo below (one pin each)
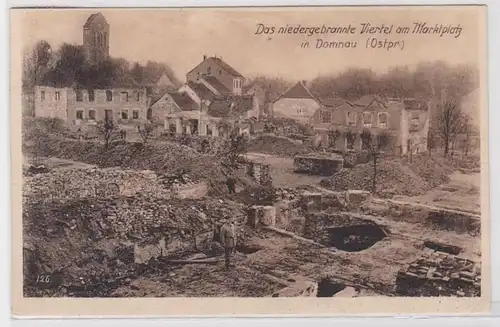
(43, 279)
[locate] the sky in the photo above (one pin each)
(180, 37)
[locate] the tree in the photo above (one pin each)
(468, 131)
(432, 140)
(375, 145)
(333, 136)
(35, 62)
(450, 123)
(109, 130)
(146, 131)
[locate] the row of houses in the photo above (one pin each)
(214, 98)
(406, 120)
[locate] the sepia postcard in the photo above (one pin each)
(310, 161)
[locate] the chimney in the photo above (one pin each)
(204, 57)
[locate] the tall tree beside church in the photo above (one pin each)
(68, 68)
(35, 65)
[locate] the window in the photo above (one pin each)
(42, 95)
(367, 119)
(382, 120)
(351, 118)
(124, 114)
(95, 39)
(237, 83)
(124, 96)
(209, 71)
(79, 95)
(91, 95)
(79, 114)
(58, 95)
(198, 76)
(109, 96)
(326, 117)
(300, 111)
(135, 114)
(138, 96)
(92, 114)
(105, 38)
(220, 72)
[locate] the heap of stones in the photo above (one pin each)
(440, 274)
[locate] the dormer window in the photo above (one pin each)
(209, 71)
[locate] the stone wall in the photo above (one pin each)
(317, 166)
(439, 218)
(261, 173)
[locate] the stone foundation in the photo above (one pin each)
(262, 216)
(323, 166)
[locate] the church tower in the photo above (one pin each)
(96, 39)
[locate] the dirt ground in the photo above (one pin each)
(461, 193)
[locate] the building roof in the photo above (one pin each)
(226, 67)
(124, 82)
(183, 101)
(91, 19)
(298, 91)
(230, 106)
(201, 91)
(222, 64)
(332, 101)
(216, 84)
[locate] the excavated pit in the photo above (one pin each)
(355, 238)
(245, 249)
(328, 288)
(440, 247)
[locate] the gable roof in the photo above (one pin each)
(216, 84)
(92, 17)
(298, 91)
(222, 64)
(183, 101)
(201, 91)
(230, 106)
(233, 72)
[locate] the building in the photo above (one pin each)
(211, 102)
(297, 103)
(407, 123)
(160, 85)
(78, 107)
(96, 39)
(216, 74)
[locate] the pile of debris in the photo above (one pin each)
(161, 157)
(85, 237)
(80, 183)
(440, 274)
(277, 145)
(287, 194)
(434, 172)
(392, 178)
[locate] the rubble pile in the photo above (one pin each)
(78, 183)
(161, 157)
(277, 145)
(287, 194)
(392, 178)
(93, 239)
(434, 172)
(440, 274)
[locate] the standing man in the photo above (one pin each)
(228, 239)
